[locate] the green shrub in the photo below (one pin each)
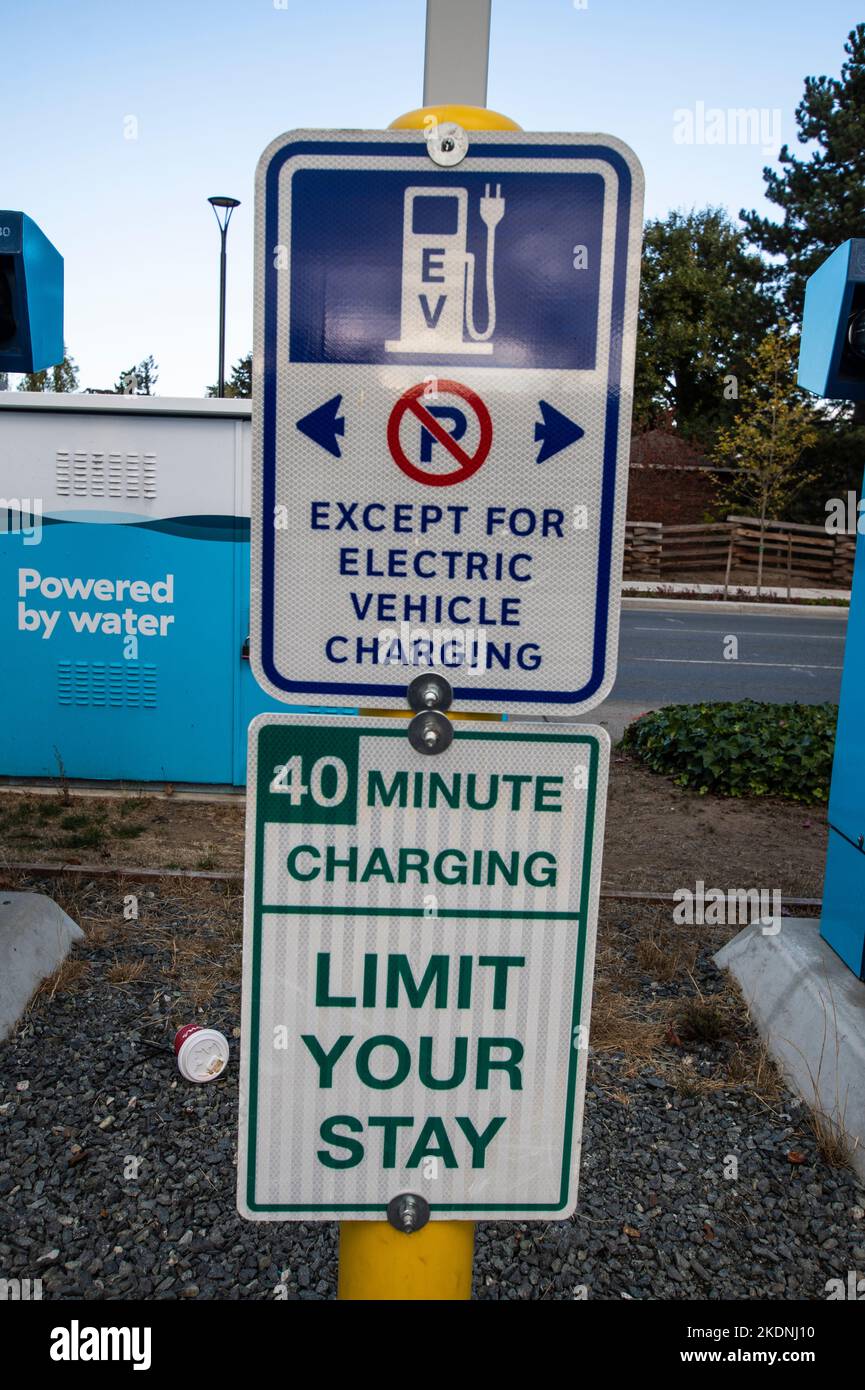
(742, 749)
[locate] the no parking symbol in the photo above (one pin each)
(433, 431)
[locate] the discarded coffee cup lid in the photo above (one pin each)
(202, 1053)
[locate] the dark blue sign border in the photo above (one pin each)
(478, 151)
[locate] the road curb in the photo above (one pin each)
(717, 605)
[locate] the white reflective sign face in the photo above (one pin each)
(418, 955)
(444, 364)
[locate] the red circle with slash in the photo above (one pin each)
(468, 463)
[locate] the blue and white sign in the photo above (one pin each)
(443, 381)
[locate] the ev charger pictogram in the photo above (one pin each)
(438, 273)
(442, 422)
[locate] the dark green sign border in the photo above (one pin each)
(259, 911)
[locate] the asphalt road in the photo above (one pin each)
(673, 657)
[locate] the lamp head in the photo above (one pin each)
(226, 206)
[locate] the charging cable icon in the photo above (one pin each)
(438, 272)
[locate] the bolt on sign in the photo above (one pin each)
(419, 940)
(444, 365)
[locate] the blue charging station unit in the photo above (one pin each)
(31, 296)
(832, 365)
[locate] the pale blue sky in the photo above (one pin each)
(211, 82)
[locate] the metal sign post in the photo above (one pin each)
(457, 51)
(445, 334)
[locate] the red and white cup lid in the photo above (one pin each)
(202, 1053)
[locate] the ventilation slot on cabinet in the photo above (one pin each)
(116, 475)
(149, 479)
(63, 473)
(97, 475)
(106, 684)
(83, 474)
(133, 476)
(80, 472)
(138, 472)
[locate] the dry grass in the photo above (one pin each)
(71, 895)
(124, 972)
(668, 1031)
(97, 930)
(617, 1026)
(67, 979)
(753, 1066)
(193, 930)
(198, 942)
(194, 970)
(707, 1020)
(834, 1145)
(667, 953)
(131, 830)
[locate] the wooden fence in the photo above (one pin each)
(728, 552)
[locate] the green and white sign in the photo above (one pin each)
(419, 942)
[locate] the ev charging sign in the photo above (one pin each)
(444, 365)
(419, 937)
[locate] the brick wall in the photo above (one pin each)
(668, 481)
(676, 496)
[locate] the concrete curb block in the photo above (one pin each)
(36, 936)
(810, 1010)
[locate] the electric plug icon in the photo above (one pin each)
(492, 211)
(492, 206)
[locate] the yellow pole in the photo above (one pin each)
(376, 1261)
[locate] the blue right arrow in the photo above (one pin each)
(322, 425)
(555, 432)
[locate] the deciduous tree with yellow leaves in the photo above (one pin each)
(774, 425)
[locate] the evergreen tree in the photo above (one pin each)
(703, 310)
(823, 196)
(138, 380)
(239, 384)
(62, 377)
(832, 464)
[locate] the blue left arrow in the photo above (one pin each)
(322, 425)
(554, 432)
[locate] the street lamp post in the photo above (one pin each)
(226, 206)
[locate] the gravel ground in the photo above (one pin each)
(117, 1177)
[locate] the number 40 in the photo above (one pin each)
(288, 780)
